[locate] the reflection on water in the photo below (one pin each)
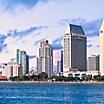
(51, 94)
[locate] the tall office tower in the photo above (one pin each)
(61, 61)
(74, 54)
(23, 60)
(45, 59)
(27, 64)
(18, 55)
(102, 48)
(56, 58)
(93, 63)
(39, 64)
(58, 67)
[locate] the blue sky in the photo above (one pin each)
(24, 23)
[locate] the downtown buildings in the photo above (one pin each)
(23, 60)
(74, 52)
(15, 69)
(73, 57)
(45, 59)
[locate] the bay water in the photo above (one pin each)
(51, 93)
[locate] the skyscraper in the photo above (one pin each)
(74, 54)
(18, 55)
(101, 32)
(45, 59)
(61, 61)
(56, 59)
(58, 67)
(93, 63)
(27, 64)
(23, 60)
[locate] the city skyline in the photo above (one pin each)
(25, 23)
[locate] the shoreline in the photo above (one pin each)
(49, 82)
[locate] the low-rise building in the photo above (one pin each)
(10, 69)
(80, 74)
(93, 63)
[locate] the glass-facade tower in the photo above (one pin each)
(23, 60)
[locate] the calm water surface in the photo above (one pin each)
(51, 94)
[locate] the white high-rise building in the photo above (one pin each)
(101, 32)
(74, 54)
(45, 59)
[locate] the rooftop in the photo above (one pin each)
(71, 28)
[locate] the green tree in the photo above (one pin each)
(26, 78)
(83, 78)
(43, 76)
(88, 77)
(97, 77)
(34, 77)
(16, 78)
(102, 78)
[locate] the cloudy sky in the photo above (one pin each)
(24, 23)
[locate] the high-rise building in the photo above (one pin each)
(61, 61)
(101, 32)
(74, 54)
(93, 63)
(58, 67)
(18, 55)
(27, 64)
(23, 60)
(56, 58)
(39, 64)
(45, 59)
